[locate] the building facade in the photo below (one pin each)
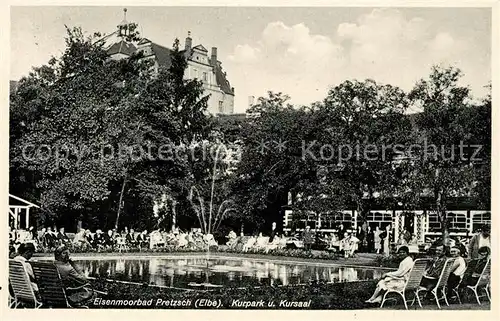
(201, 66)
(424, 224)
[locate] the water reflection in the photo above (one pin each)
(228, 272)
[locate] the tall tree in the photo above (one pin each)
(366, 123)
(443, 167)
(87, 129)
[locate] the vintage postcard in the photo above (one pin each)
(305, 157)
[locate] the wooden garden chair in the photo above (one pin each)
(50, 286)
(469, 270)
(439, 291)
(22, 291)
(482, 283)
(413, 282)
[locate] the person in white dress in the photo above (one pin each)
(394, 280)
(457, 270)
(377, 240)
(387, 240)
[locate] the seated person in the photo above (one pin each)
(156, 239)
(130, 238)
(261, 241)
(143, 238)
(62, 237)
(79, 240)
(394, 280)
(249, 243)
(457, 270)
(12, 235)
(89, 237)
(76, 285)
(25, 253)
(182, 240)
(431, 276)
(99, 239)
(191, 239)
(210, 240)
(50, 238)
(477, 267)
(353, 245)
(110, 239)
(231, 239)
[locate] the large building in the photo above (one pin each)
(201, 65)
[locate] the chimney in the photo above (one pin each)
(189, 43)
(213, 59)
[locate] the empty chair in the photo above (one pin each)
(20, 283)
(121, 244)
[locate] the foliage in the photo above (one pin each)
(444, 166)
(367, 120)
(106, 124)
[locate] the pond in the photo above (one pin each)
(238, 272)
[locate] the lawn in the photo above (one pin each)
(314, 296)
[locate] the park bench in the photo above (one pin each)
(412, 284)
(439, 291)
(22, 291)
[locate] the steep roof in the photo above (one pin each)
(200, 47)
(143, 41)
(222, 81)
(162, 54)
(122, 47)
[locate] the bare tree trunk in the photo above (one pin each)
(441, 211)
(174, 215)
(120, 203)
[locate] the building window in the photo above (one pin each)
(195, 73)
(380, 219)
(434, 223)
(221, 106)
(333, 220)
(480, 219)
(205, 76)
(457, 222)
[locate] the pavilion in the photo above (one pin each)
(17, 206)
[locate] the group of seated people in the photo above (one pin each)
(177, 239)
(348, 245)
(77, 287)
(258, 242)
(48, 239)
(86, 240)
(462, 273)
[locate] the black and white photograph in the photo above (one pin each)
(246, 157)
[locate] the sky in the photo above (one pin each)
(301, 52)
